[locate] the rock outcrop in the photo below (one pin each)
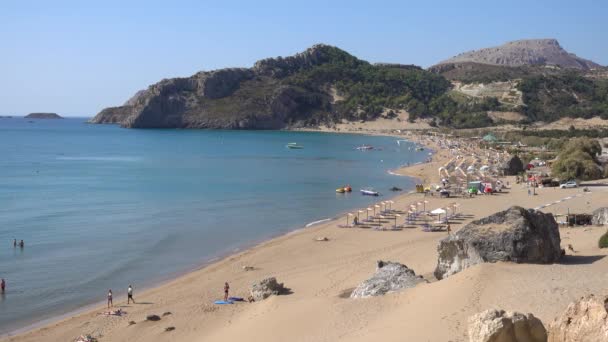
(584, 320)
(234, 98)
(516, 234)
(389, 277)
(525, 52)
(266, 288)
(506, 326)
(43, 116)
(600, 217)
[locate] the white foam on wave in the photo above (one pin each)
(317, 222)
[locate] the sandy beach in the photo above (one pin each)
(321, 275)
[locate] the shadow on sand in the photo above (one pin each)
(580, 259)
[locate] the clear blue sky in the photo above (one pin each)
(77, 57)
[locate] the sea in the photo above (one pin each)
(100, 207)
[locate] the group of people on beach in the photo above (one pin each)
(21, 243)
(129, 296)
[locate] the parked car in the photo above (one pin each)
(568, 184)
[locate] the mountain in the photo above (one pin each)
(323, 84)
(525, 52)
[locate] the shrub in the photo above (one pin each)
(603, 243)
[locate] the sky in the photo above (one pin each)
(75, 58)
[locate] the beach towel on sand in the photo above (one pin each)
(236, 299)
(221, 302)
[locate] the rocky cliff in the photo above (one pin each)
(525, 52)
(279, 92)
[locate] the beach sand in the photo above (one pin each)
(321, 275)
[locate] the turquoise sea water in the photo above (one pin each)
(103, 207)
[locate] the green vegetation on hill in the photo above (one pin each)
(570, 94)
(368, 89)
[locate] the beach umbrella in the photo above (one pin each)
(376, 207)
(367, 213)
(438, 211)
(396, 215)
(347, 216)
(359, 212)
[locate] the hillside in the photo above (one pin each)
(525, 52)
(321, 85)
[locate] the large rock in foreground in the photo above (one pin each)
(389, 276)
(600, 217)
(584, 320)
(266, 288)
(506, 326)
(516, 234)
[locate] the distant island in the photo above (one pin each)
(43, 116)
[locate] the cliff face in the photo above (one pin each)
(254, 98)
(525, 52)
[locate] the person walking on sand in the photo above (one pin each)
(449, 228)
(130, 295)
(226, 290)
(2, 285)
(110, 304)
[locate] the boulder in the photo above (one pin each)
(516, 234)
(600, 216)
(513, 166)
(153, 318)
(266, 288)
(505, 326)
(583, 320)
(389, 276)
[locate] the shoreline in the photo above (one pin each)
(167, 279)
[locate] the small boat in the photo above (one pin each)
(419, 148)
(294, 146)
(340, 190)
(364, 147)
(369, 192)
(344, 189)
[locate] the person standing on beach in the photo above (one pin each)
(226, 290)
(14, 243)
(2, 285)
(21, 244)
(130, 295)
(110, 304)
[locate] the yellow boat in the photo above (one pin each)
(340, 190)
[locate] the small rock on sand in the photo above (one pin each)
(152, 318)
(167, 313)
(169, 328)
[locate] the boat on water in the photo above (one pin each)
(419, 148)
(364, 147)
(369, 192)
(344, 189)
(294, 146)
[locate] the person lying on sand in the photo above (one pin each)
(117, 312)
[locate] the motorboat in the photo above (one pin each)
(344, 189)
(364, 147)
(294, 146)
(369, 192)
